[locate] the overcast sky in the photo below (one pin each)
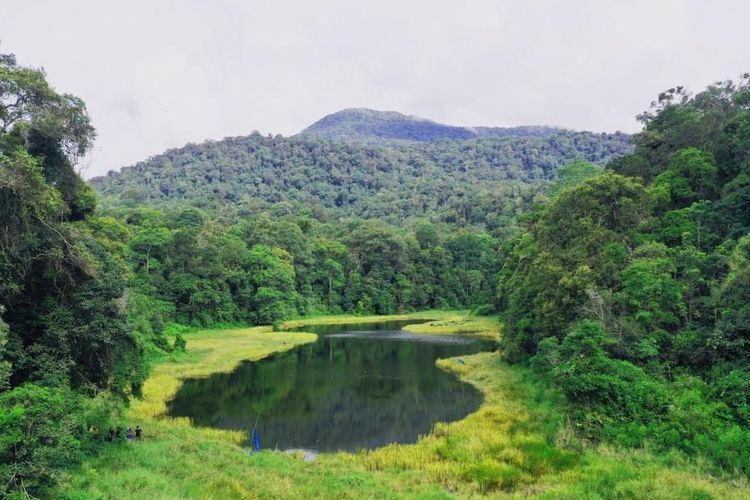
(159, 73)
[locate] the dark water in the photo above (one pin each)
(358, 386)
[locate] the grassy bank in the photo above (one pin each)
(516, 444)
(344, 319)
(437, 322)
(209, 351)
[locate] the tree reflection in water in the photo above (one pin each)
(358, 386)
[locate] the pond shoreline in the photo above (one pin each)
(517, 442)
(359, 386)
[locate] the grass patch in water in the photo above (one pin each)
(437, 322)
(458, 324)
(347, 319)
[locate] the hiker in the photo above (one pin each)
(138, 432)
(110, 434)
(118, 433)
(129, 434)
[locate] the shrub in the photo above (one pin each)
(41, 430)
(179, 343)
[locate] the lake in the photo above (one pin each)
(357, 386)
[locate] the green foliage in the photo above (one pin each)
(189, 267)
(691, 176)
(577, 246)
(64, 331)
(732, 330)
(733, 145)
(572, 174)
(5, 366)
(463, 183)
(633, 299)
(43, 429)
(60, 287)
(603, 388)
(180, 344)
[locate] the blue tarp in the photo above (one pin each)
(256, 441)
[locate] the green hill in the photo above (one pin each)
(393, 180)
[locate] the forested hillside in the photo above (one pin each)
(631, 290)
(459, 182)
(261, 228)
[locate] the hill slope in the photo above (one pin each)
(388, 181)
(364, 124)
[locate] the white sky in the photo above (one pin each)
(159, 73)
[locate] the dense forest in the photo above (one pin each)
(266, 268)
(463, 183)
(619, 266)
(67, 351)
(630, 290)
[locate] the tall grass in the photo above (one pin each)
(459, 324)
(342, 319)
(209, 351)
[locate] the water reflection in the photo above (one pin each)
(358, 386)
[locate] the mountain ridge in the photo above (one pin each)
(365, 124)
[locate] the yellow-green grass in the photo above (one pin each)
(438, 322)
(479, 326)
(516, 444)
(344, 319)
(209, 351)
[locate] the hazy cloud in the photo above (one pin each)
(158, 74)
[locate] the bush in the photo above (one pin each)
(492, 475)
(179, 343)
(41, 430)
(484, 310)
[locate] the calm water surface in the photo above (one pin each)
(358, 386)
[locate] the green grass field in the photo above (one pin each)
(517, 444)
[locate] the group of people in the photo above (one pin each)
(130, 434)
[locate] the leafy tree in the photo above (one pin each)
(60, 287)
(271, 272)
(578, 244)
(5, 367)
(633, 299)
(572, 174)
(731, 335)
(43, 429)
(690, 176)
(64, 334)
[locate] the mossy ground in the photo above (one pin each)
(517, 444)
